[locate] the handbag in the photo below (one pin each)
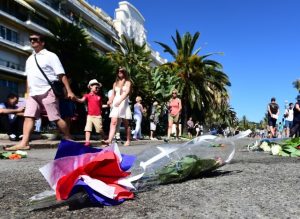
(57, 86)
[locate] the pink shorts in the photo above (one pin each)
(47, 101)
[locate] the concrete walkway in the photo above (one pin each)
(51, 141)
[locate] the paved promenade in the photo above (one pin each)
(254, 185)
(50, 141)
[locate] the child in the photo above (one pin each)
(94, 105)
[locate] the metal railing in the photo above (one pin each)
(12, 65)
(92, 15)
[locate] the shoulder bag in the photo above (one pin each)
(57, 86)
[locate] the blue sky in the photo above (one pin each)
(260, 40)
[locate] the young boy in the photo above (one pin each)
(94, 105)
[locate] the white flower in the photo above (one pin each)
(264, 145)
(22, 153)
(276, 149)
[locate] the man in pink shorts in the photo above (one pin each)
(40, 93)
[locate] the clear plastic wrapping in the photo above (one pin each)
(171, 163)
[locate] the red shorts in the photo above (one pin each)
(47, 101)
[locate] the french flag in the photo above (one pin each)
(100, 172)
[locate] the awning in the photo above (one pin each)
(25, 4)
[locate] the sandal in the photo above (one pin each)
(16, 147)
(127, 143)
(105, 143)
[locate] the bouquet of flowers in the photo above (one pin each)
(13, 155)
(101, 176)
(286, 147)
(173, 163)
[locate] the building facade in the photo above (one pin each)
(19, 18)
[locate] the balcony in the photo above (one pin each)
(12, 67)
(53, 8)
(18, 46)
(93, 18)
(29, 21)
(37, 28)
(100, 40)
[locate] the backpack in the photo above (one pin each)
(274, 108)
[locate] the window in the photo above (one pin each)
(13, 86)
(9, 34)
(2, 32)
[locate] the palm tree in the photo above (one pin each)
(162, 83)
(296, 85)
(202, 81)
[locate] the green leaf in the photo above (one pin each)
(284, 154)
(5, 155)
(296, 153)
(289, 149)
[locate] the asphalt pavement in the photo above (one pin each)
(253, 185)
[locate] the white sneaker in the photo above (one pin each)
(12, 136)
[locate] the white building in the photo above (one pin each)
(18, 18)
(130, 22)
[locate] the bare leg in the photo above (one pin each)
(128, 130)
(112, 130)
(170, 124)
(177, 130)
(62, 125)
(272, 131)
(87, 137)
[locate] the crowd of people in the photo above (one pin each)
(43, 68)
(289, 125)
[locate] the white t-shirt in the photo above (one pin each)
(51, 66)
(290, 114)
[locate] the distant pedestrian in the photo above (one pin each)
(154, 119)
(94, 105)
(40, 92)
(273, 113)
(296, 121)
(138, 116)
(280, 130)
(289, 117)
(201, 129)
(190, 127)
(174, 107)
(197, 128)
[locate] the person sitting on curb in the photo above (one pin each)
(11, 117)
(94, 105)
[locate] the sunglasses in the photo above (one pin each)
(34, 39)
(174, 93)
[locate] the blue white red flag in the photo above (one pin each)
(100, 172)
